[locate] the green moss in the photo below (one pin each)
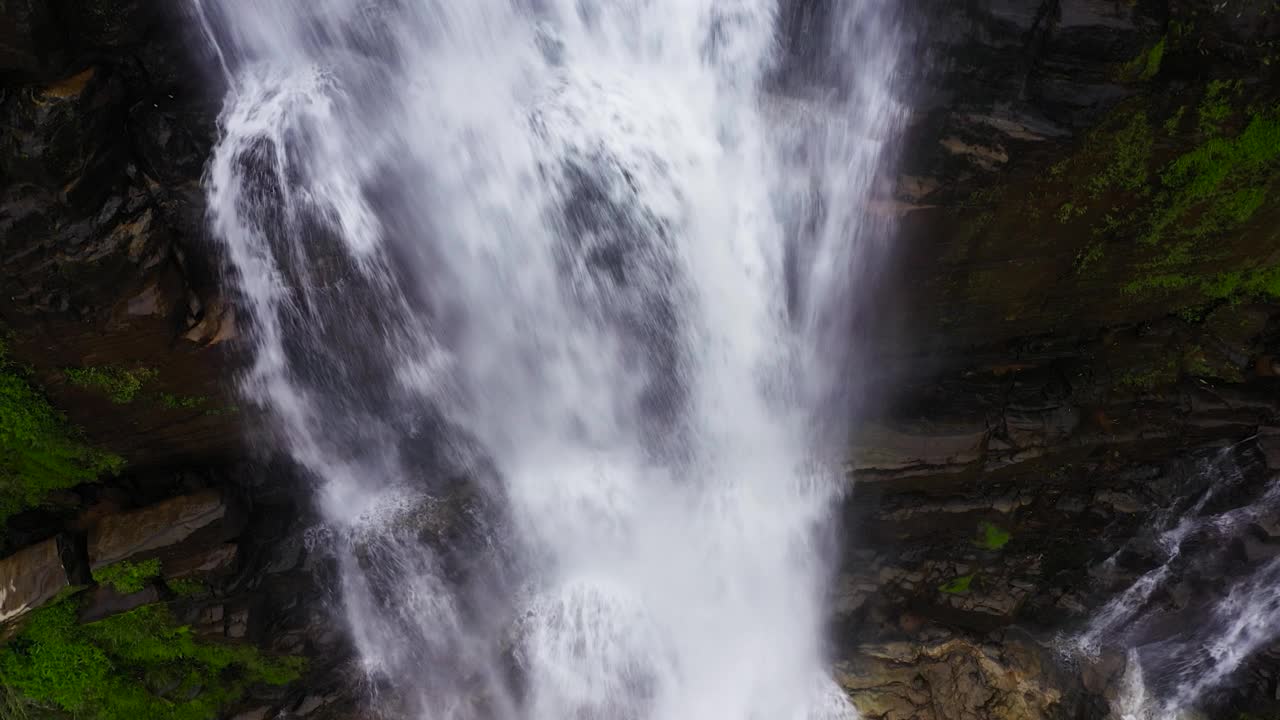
(1164, 372)
(1091, 254)
(185, 588)
(1174, 122)
(122, 386)
(1264, 282)
(1209, 191)
(39, 451)
(992, 536)
(956, 586)
(1162, 281)
(1215, 106)
(183, 402)
(140, 665)
(127, 577)
(1147, 65)
(1128, 150)
(1068, 211)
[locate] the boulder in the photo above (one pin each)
(153, 531)
(953, 678)
(104, 601)
(30, 578)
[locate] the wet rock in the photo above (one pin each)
(951, 678)
(1269, 442)
(308, 705)
(150, 530)
(920, 448)
(105, 601)
(32, 43)
(1119, 502)
(214, 561)
(238, 624)
(30, 578)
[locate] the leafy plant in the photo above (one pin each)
(992, 536)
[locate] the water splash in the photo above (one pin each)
(597, 258)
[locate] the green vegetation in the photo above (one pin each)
(1265, 281)
(1163, 373)
(1069, 211)
(1129, 150)
(140, 665)
(956, 586)
(122, 386)
(992, 536)
(127, 577)
(1091, 254)
(39, 452)
(1208, 191)
(1147, 65)
(1224, 181)
(183, 402)
(185, 588)
(1215, 106)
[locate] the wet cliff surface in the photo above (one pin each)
(1081, 329)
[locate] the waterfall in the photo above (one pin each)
(550, 299)
(1175, 663)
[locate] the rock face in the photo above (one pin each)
(943, 678)
(107, 124)
(144, 532)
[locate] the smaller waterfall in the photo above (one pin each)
(1180, 652)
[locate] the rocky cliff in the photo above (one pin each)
(1081, 326)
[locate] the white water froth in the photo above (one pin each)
(1198, 660)
(577, 241)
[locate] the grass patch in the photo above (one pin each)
(140, 665)
(39, 452)
(992, 536)
(121, 386)
(127, 577)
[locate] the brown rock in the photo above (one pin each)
(950, 679)
(211, 561)
(30, 578)
(153, 528)
(104, 601)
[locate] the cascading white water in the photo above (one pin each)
(593, 256)
(1229, 630)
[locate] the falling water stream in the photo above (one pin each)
(596, 259)
(1174, 663)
